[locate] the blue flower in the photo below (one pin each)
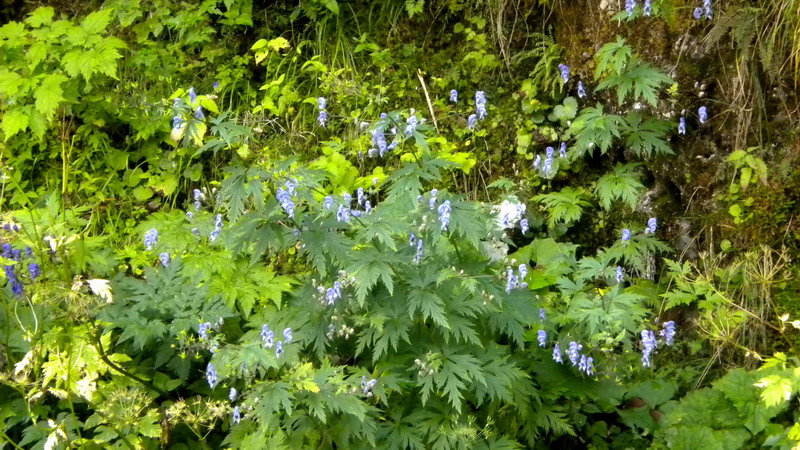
(7, 249)
(214, 235)
(284, 198)
(196, 231)
(620, 275)
(537, 162)
(581, 90)
(203, 330)
(547, 169)
(574, 352)
(198, 196)
(215, 85)
(648, 346)
(523, 271)
(322, 104)
(472, 120)
(34, 270)
(557, 354)
(707, 9)
(542, 314)
(412, 122)
(367, 207)
(511, 281)
(164, 257)
(444, 214)
(629, 5)
(237, 415)
(626, 235)
(189, 215)
(322, 118)
(682, 125)
(192, 95)
(328, 202)
(360, 195)
(343, 214)
(267, 336)
(698, 13)
(287, 335)
(454, 96)
(668, 333)
(480, 104)
(703, 114)
(232, 395)
(523, 225)
(542, 338)
(562, 151)
(564, 69)
(366, 386)
(278, 349)
(176, 122)
(549, 152)
(647, 7)
(211, 375)
(150, 238)
(412, 239)
(199, 113)
(379, 140)
(419, 254)
(16, 255)
(652, 225)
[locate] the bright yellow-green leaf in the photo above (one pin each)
(40, 16)
(209, 104)
(14, 121)
(10, 83)
(259, 44)
(49, 94)
(97, 21)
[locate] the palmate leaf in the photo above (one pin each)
(612, 58)
(621, 184)
(243, 188)
(648, 136)
(640, 79)
(565, 206)
(368, 266)
(595, 128)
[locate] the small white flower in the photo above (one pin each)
(101, 289)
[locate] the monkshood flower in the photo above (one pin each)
(232, 395)
(192, 95)
(367, 207)
(444, 214)
(547, 169)
(549, 152)
(177, 121)
(420, 250)
(586, 365)
(626, 235)
(620, 275)
(523, 271)
(322, 104)
(267, 336)
(322, 118)
(379, 140)
(237, 415)
(360, 197)
(648, 346)
(707, 9)
(203, 330)
(150, 239)
(698, 13)
(652, 225)
(564, 69)
(16, 255)
(7, 250)
(574, 352)
(523, 226)
(581, 90)
(199, 113)
(211, 375)
(472, 120)
(562, 151)
(668, 333)
(366, 386)
(196, 231)
(480, 104)
(189, 215)
(647, 8)
(412, 239)
(511, 281)
(703, 114)
(629, 5)
(537, 162)
(278, 349)
(287, 335)
(510, 214)
(28, 252)
(682, 125)
(328, 202)
(557, 354)
(177, 102)
(215, 85)
(34, 270)
(164, 257)
(454, 96)
(343, 214)
(542, 338)
(198, 196)
(412, 122)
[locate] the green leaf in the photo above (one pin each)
(595, 128)
(49, 94)
(640, 79)
(612, 58)
(40, 16)
(622, 184)
(565, 206)
(14, 121)
(648, 136)
(97, 21)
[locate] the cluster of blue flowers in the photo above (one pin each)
(480, 110)
(322, 104)
(150, 239)
(164, 258)
(547, 168)
(704, 11)
(34, 271)
(629, 6)
(649, 342)
(211, 376)
(329, 296)
(217, 228)
(620, 274)
(516, 280)
(444, 214)
(268, 337)
(367, 385)
(414, 241)
(198, 196)
(585, 363)
(284, 197)
(411, 124)
(564, 70)
(345, 211)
